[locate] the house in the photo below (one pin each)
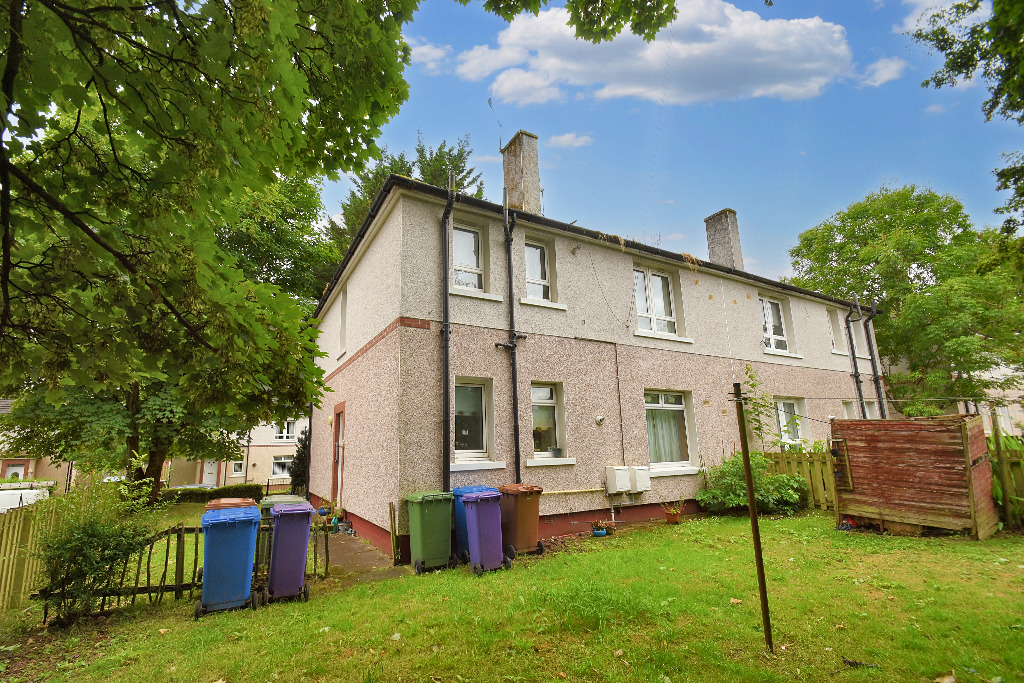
(623, 355)
(19, 466)
(263, 459)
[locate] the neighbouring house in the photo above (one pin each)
(624, 355)
(263, 459)
(21, 466)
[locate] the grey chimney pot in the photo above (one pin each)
(522, 172)
(724, 239)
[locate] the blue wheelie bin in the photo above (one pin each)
(461, 533)
(229, 545)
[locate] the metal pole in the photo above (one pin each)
(766, 621)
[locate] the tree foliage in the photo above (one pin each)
(431, 165)
(951, 308)
(985, 38)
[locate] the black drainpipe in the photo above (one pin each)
(853, 359)
(513, 338)
(869, 333)
(446, 333)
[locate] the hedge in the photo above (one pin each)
(254, 491)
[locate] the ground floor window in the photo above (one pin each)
(789, 415)
(236, 467)
(667, 433)
(15, 471)
(470, 421)
(281, 465)
(545, 399)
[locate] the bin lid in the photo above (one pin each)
(520, 489)
(230, 516)
(460, 491)
(477, 496)
(221, 503)
(420, 496)
(292, 509)
(279, 498)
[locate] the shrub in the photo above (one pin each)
(775, 493)
(97, 529)
(254, 491)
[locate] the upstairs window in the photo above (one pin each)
(773, 324)
(285, 432)
(654, 307)
(538, 280)
(469, 269)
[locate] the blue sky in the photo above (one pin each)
(786, 114)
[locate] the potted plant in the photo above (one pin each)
(672, 511)
(601, 528)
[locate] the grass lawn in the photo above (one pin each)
(650, 603)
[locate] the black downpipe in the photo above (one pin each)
(853, 361)
(869, 334)
(446, 333)
(513, 342)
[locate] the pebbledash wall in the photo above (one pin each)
(378, 434)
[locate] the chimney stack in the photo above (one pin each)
(724, 239)
(522, 172)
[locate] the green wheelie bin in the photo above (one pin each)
(430, 529)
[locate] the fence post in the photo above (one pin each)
(179, 563)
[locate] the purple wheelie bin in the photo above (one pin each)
(483, 528)
(288, 555)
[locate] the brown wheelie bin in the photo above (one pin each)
(520, 519)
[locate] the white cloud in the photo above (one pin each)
(917, 13)
(433, 58)
(667, 201)
(712, 52)
(570, 140)
(487, 158)
(676, 237)
(935, 109)
(884, 70)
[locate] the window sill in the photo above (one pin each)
(470, 465)
(784, 354)
(662, 335)
(844, 354)
(234, 475)
(476, 294)
(543, 303)
(548, 462)
(673, 471)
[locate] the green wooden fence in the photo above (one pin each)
(20, 529)
(816, 470)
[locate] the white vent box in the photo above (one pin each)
(616, 479)
(639, 479)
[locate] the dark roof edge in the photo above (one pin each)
(441, 193)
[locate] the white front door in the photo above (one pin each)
(210, 472)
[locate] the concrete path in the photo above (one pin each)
(355, 560)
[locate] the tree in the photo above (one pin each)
(280, 237)
(946, 324)
(985, 38)
(431, 166)
(299, 467)
(125, 126)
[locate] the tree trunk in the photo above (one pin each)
(159, 447)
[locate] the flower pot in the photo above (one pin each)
(672, 517)
(599, 532)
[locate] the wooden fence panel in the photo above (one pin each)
(813, 468)
(20, 530)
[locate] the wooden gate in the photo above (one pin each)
(816, 470)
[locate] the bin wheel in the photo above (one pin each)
(478, 569)
(199, 608)
(418, 567)
(540, 547)
(453, 561)
(510, 551)
(506, 562)
(305, 594)
(465, 557)
(253, 598)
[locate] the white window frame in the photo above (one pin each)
(851, 409)
(671, 319)
(556, 402)
(237, 468)
(22, 471)
(771, 340)
(783, 419)
(480, 260)
(475, 455)
(688, 422)
(545, 264)
(285, 460)
(285, 432)
(1005, 420)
